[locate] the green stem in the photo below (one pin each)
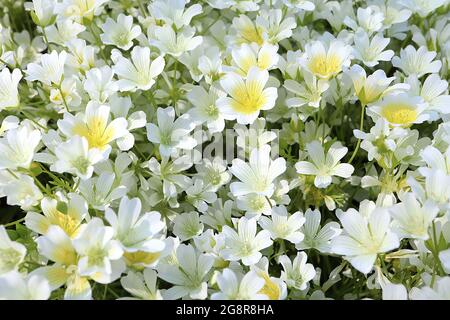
(361, 127)
(14, 222)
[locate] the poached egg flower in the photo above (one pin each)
(247, 96)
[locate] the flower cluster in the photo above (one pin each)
(225, 149)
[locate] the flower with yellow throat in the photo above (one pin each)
(326, 60)
(400, 110)
(247, 96)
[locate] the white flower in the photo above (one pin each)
(174, 12)
(297, 273)
(254, 205)
(140, 72)
(50, 70)
(440, 291)
(324, 167)
(307, 93)
(300, 5)
(68, 216)
(42, 11)
(371, 51)
(175, 43)
(316, 237)
(205, 108)
(392, 291)
(94, 125)
(18, 147)
(171, 134)
(64, 32)
(368, 19)
(258, 175)
(245, 244)
(214, 173)
(283, 226)
(326, 60)
(187, 226)
(188, 275)
(141, 285)
(435, 160)
(77, 10)
(9, 95)
(12, 253)
(247, 96)
(99, 191)
(400, 110)
(433, 91)
(99, 255)
(416, 62)
(239, 287)
(411, 219)
(138, 234)
(8, 123)
(199, 196)
(22, 191)
(370, 89)
(422, 7)
(99, 84)
(120, 33)
(247, 56)
(366, 233)
(16, 286)
(75, 157)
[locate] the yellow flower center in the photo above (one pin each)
(250, 34)
(270, 289)
(140, 257)
(325, 66)
(96, 132)
(402, 114)
(248, 98)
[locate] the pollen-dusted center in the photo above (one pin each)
(399, 113)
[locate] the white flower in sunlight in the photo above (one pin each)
(50, 69)
(22, 191)
(12, 253)
(326, 60)
(247, 96)
(175, 43)
(75, 157)
(366, 233)
(205, 107)
(370, 52)
(300, 5)
(171, 134)
(324, 167)
(42, 11)
(8, 123)
(77, 10)
(247, 56)
(435, 160)
(141, 285)
(99, 84)
(245, 244)
(138, 234)
(64, 32)
(297, 273)
(400, 110)
(416, 62)
(18, 147)
(254, 204)
(308, 92)
(239, 287)
(120, 33)
(423, 8)
(99, 255)
(433, 91)
(68, 216)
(368, 19)
(100, 191)
(200, 196)
(9, 95)
(188, 275)
(440, 291)
(316, 237)
(187, 226)
(411, 219)
(140, 72)
(174, 12)
(281, 225)
(94, 125)
(16, 286)
(370, 89)
(258, 175)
